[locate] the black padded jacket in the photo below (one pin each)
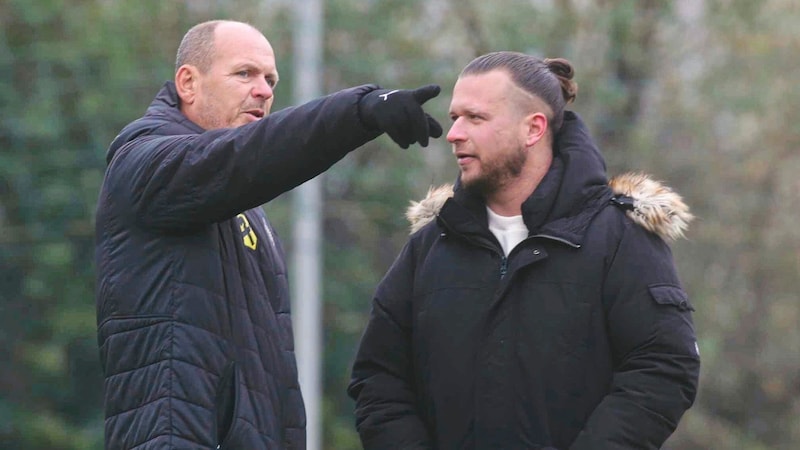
(193, 305)
(581, 338)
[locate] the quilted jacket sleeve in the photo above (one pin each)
(382, 381)
(175, 183)
(655, 351)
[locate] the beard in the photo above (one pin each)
(497, 173)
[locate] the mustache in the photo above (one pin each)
(259, 109)
(254, 106)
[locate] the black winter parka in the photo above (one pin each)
(582, 338)
(193, 305)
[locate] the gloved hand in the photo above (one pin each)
(399, 113)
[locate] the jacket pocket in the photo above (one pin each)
(671, 295)
(226, 403)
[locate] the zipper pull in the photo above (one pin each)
(503, 267)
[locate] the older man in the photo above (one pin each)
(192, 298)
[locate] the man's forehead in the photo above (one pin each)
(484, 87)
(231, 53)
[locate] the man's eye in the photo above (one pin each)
(243, 73)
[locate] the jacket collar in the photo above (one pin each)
(163, 114)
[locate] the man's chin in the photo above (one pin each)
(485, 186)
(477, 186)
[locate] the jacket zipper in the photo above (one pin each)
(503, 267)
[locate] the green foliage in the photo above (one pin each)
(698, 93)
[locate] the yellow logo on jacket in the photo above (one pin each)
(248, 235)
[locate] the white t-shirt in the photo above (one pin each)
(510, 231)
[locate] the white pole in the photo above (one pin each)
(306, 277)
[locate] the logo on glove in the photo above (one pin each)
(386, 95)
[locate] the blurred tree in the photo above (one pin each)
(61, 63)
(697, 92)
(732, 141)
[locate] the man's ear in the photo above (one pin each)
(186, 83)
(537, 128)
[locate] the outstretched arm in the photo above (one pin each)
(176, 183)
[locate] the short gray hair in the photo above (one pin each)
(197, 45)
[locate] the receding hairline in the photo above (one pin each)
(197, 46)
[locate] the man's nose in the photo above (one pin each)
(455, 133)
(262, 89)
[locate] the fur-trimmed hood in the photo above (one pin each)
(654, 206)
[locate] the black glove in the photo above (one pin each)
(399, 113)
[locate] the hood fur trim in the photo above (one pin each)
(656, 207)
(424, 211)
